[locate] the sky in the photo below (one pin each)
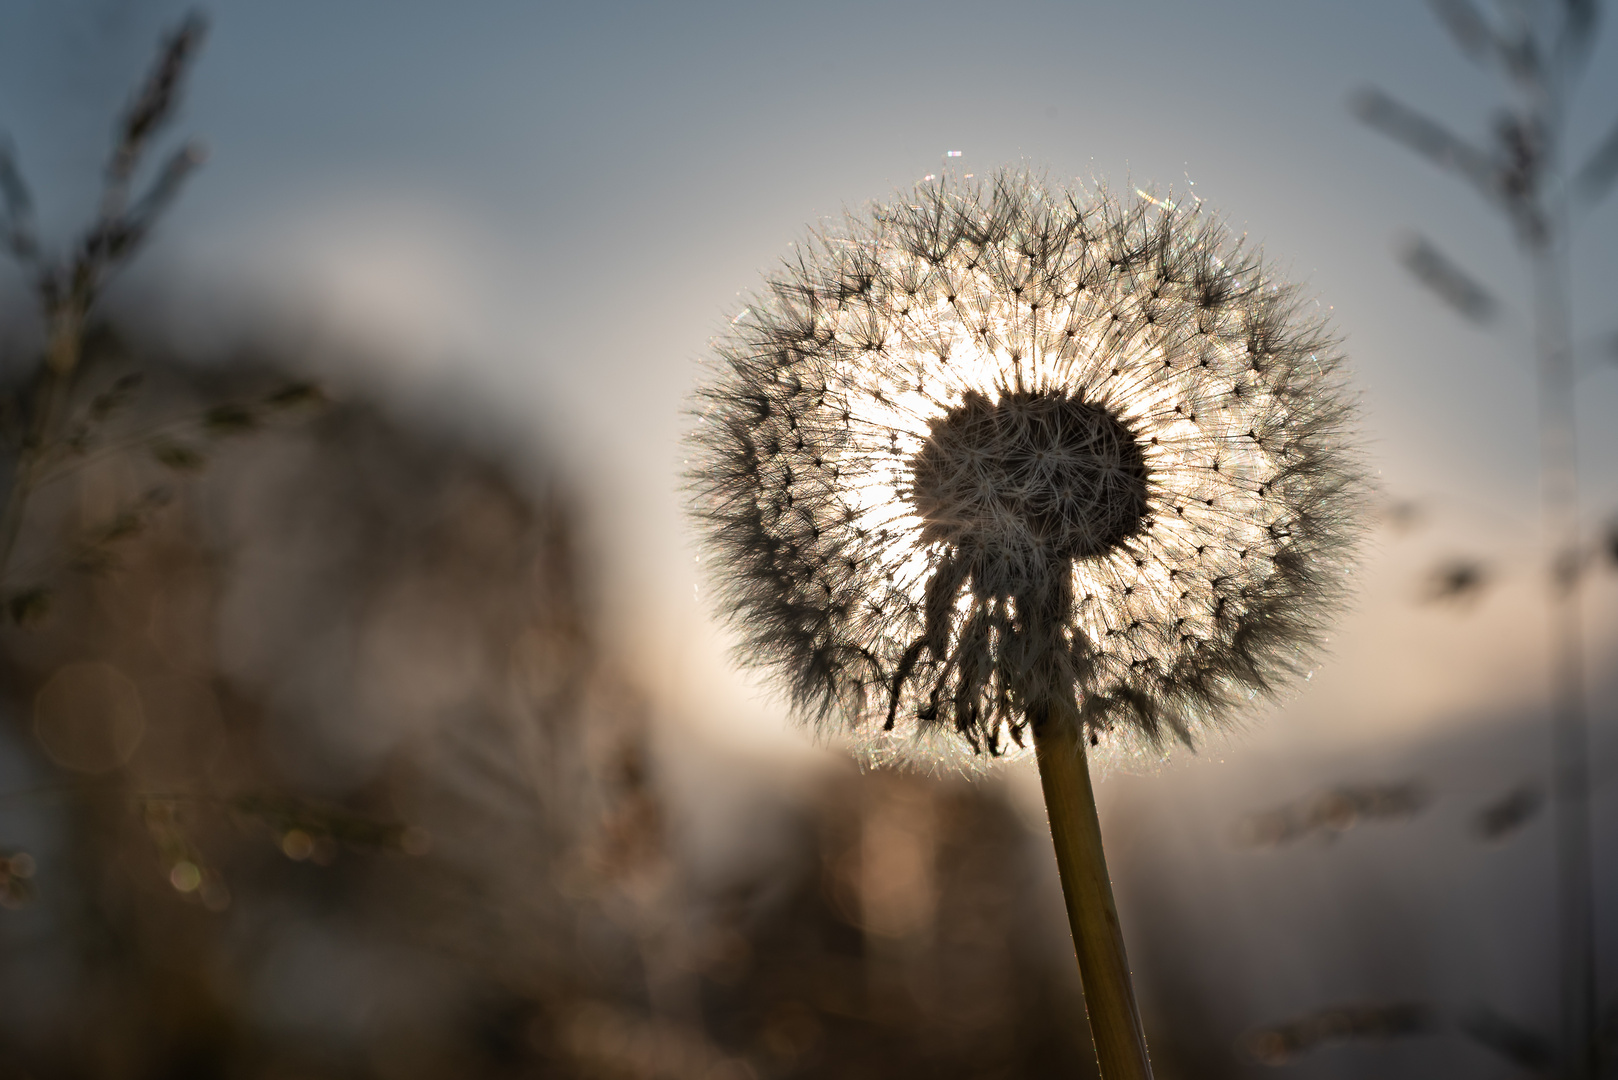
(536, 217)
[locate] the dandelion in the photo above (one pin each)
(1001, 464)
(995, 447)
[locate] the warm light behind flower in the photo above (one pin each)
(997, 445)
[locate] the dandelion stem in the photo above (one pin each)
(1098, 938)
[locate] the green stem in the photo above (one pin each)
(1098, 938)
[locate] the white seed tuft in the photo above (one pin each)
(994, 445)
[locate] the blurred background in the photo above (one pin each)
(364, 716)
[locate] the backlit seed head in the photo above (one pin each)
(995, 449)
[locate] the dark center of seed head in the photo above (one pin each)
(1029, 475)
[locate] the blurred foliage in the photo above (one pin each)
(1283, 1043)
(1510, 812)
(328, 775)
(1538, 51)
(1458, 581)
(1331, 813)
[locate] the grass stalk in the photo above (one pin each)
(61, 359)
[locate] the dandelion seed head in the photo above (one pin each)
(992, 447)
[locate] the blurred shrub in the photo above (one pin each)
(318, 768)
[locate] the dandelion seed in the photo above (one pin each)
(994, 448)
